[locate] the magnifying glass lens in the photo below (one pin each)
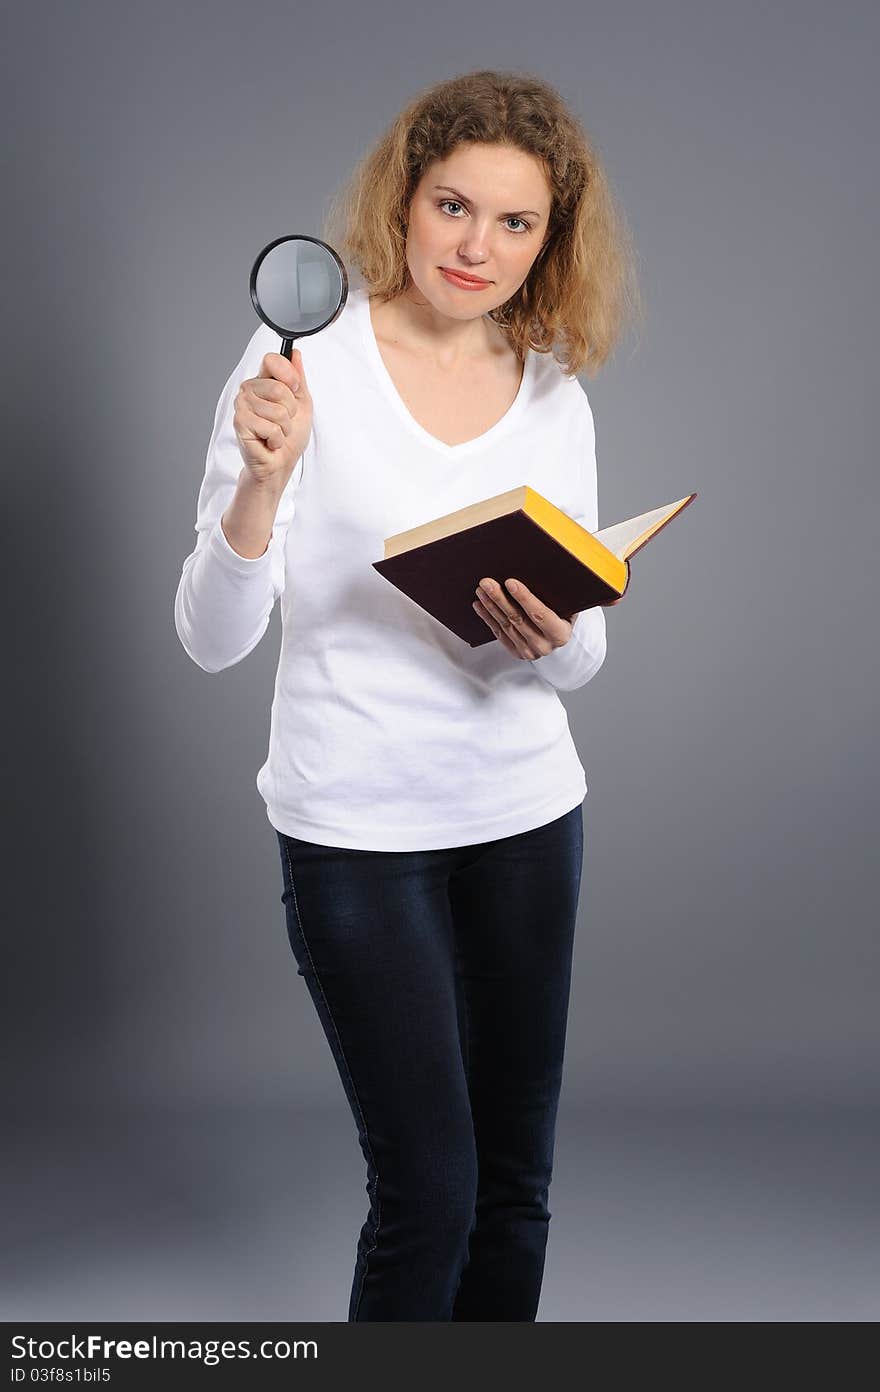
(298, 286)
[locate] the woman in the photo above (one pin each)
(426, 795)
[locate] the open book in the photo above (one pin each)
(517, 535)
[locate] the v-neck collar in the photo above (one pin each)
(361, 305)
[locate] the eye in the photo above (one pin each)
(452, 202)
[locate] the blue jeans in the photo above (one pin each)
(441, 979)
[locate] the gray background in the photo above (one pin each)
(180, 1142)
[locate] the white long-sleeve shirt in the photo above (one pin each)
(387, 731)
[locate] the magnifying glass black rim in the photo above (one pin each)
(279, 328)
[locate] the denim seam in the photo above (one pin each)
(348, 1071)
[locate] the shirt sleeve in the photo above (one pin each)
(224, 600)
(577, 661)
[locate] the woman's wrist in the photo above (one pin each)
(248, 521)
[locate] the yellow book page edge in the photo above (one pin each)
(576, 539)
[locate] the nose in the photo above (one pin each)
(474, 245)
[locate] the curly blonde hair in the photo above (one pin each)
(582, 288)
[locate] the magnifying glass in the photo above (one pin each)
(298, 286)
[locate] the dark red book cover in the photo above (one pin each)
(442, 576)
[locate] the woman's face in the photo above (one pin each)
(484, 210)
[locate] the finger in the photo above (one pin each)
(300, 372)
(257, 427)
(502, 608)
(505, 637)
(261, 453)
(511, 639)
(512, 618)
(267, 389)
(275, 367)
(544, 619)
(272, 411)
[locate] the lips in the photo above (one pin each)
(460, 275)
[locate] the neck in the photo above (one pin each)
(411, 321)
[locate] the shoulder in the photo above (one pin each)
(558, 392)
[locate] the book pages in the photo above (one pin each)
(623, 537)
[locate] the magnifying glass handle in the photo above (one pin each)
(287, 348)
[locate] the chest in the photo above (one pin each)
(454, 407)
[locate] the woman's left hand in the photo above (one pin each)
(526, 627)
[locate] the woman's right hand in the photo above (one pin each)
(273, 419)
